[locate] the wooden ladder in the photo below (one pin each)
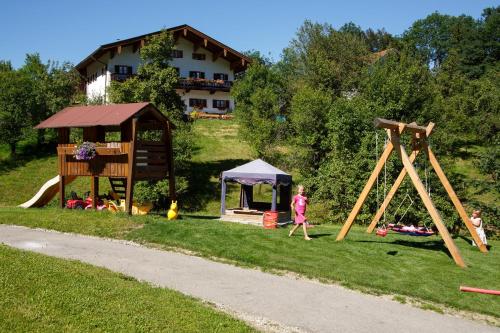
(119, 186)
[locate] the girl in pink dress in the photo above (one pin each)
(299, 205)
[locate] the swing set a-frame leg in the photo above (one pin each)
(366, 190)
(450, 244)
(454, 198)
(390, 195)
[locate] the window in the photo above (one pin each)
(178, 70)
(198, 103)
(120, 69)
(196, 75)
(220, 103)
(177, 54)
(221, 76)
(198, 56)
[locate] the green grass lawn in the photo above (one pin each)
(410, 266)
(45, 294)
(403, 265)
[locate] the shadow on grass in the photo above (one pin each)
(201, 190)
(200, 217)
(434, 245)
(26, 154)
(319, 235)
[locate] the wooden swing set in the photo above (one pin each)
(420, 142)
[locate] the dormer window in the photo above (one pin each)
(221, 76)
(198, 56)
(177, 54)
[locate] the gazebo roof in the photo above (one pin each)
(256, 172)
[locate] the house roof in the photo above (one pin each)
(95, 115)
(256, 172)
(237, 59)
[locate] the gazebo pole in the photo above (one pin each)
(273, 203)
(223, 198)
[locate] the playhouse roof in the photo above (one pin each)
(256, 172)
(95, 115)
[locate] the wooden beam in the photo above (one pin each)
(205, 42)
(399, 180)
(129, 194)
(361, 199)
(452, 248)
(119, 49)
(62, 179)
(454, 198)
(94, 190)
(185, 32)
(391, 124)
(170, 161)
(143, 42)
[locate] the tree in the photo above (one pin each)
(52, 88)
(156, 80)
(15, 104)
(326, 58)
(258, 102)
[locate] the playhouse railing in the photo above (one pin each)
(111, 160)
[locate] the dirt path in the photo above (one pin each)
(280, 303)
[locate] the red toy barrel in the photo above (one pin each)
(270, 219)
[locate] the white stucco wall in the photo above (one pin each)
(187, 63)
(97, 88)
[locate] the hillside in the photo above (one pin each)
(217, 148)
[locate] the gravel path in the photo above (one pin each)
(271, 302)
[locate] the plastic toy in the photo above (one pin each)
(173, 212)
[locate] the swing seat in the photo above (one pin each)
(381, 232)
(412, 231)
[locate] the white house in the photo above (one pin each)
(206, 68)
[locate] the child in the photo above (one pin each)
(478, 224)
(299, 204)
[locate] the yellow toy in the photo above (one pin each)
(173, 211)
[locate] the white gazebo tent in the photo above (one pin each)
(248, 175)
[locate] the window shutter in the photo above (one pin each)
(129, 70)
(202, 76)
(117, 69)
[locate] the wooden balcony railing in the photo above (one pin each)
(204, 84)
(121, 77)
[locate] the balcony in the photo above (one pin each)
(204, 84)
(120, 77)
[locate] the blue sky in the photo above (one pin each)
(70, 30)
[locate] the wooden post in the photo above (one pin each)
(400, 178)
(454, 198)
(129, 195)
(452, 248)
(62, 179)
(170, 161)
(94, 190)
(373, 177)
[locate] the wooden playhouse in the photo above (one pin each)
(133, 143)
